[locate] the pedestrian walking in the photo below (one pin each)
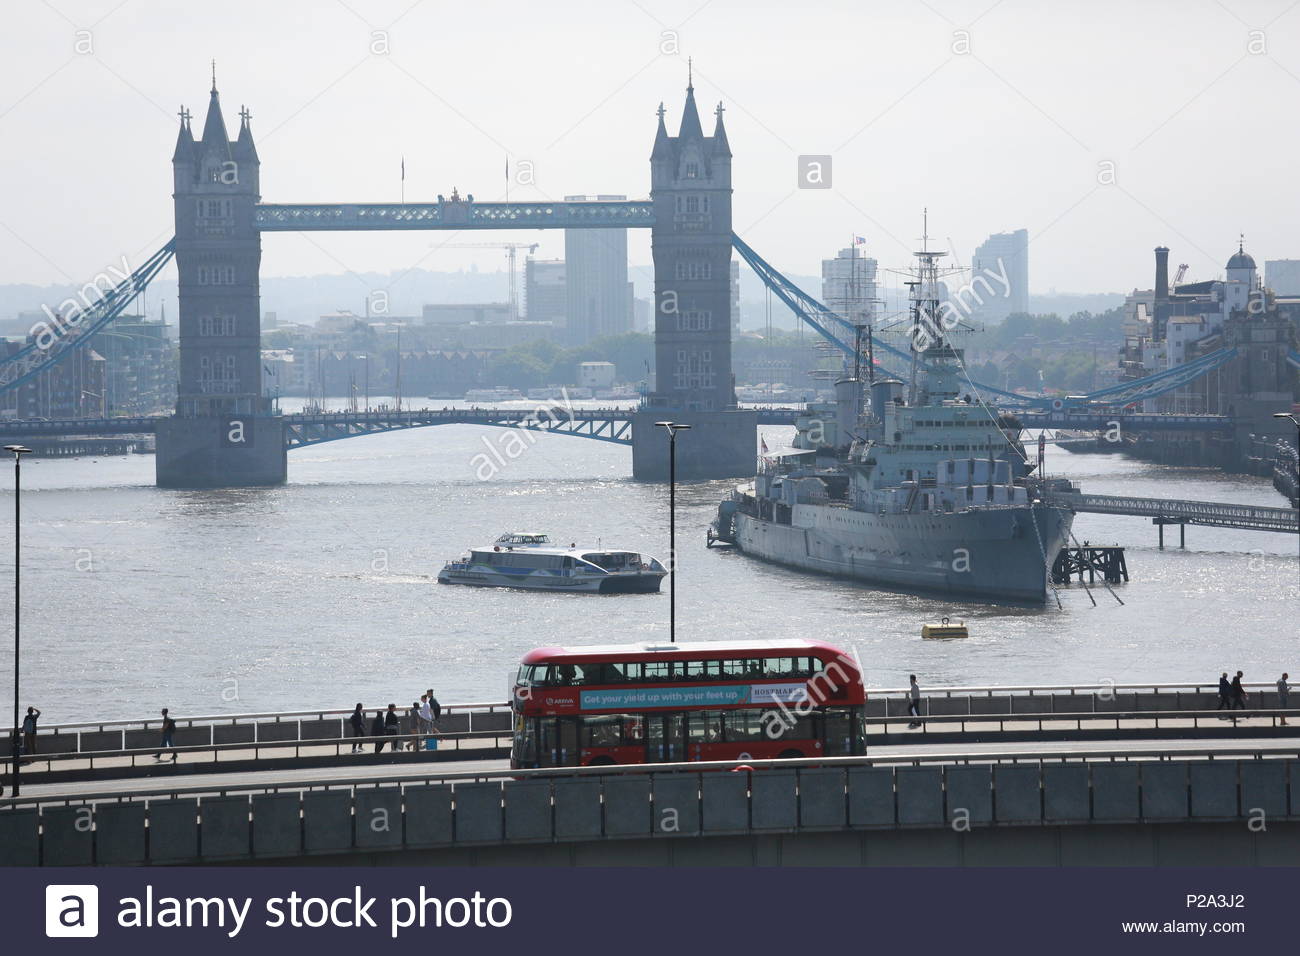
(914, 702)
(414, 715)
(434, 705)
(1225, 692)
(426, 716)
(358, 723)
(377, 730)
(392, 726)
(29, 731)
(1283, 691)
(1238, 693)
(168, 735)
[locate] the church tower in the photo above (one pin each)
(222, 433)
(690, 187)
(218, 255)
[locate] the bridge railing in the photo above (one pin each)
(1089, 725)
(329, 723)
(249, 728)
(204, 758)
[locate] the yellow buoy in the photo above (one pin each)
(944, 630)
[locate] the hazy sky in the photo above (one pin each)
(1194, 110)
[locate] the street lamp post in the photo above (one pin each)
(672, 428)
(18, 452)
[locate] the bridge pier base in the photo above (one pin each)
(719, 445)
(221, 452)
(1182, 530)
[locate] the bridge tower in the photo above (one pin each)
(222, 433)
(690, 188)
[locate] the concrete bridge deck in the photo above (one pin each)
(1167, 805)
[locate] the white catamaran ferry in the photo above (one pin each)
(519, 560)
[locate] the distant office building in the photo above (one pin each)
(544, 295)
(642, 315)
(848, 286)
(595, 265)
(1005, 255)
(1139, 307)
(1282, 276)
(74, 388)
(596, 374)
(481, 313)
(283, 373)
(141, 366)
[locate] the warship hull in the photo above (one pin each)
(991, 555)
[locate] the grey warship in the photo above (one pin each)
(917, 486)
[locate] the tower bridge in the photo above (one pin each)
(224, 432)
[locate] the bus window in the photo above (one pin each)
(744, 725)
(779, 667)
(735, 669)
(705, 727)
(694, 670)
(656, 670)
(603, 731)
(790, 727)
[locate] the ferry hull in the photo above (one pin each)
(613, 584)
(996, 555)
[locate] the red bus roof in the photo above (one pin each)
(692, 650)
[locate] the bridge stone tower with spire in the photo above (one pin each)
(690, 188)
(222, 433)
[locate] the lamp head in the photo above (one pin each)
(18, 449)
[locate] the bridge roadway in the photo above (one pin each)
(1174, 511)
(310, 428)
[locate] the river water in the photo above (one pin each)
(322, 593)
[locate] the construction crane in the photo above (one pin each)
(510, 248)
(1182, 271)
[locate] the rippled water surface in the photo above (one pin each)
(322, 592)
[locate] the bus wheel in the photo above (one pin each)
(601, 762)
(791, 754)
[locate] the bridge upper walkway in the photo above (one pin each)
(1125, 421)
(1173, 511)
(310, 428)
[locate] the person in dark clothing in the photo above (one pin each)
(1225, 692)
(1238, 693)
(168, 735)
(434, 705)
(377, 730)
(29, 731)
(358, 724)
(392, 725)
(414, 715)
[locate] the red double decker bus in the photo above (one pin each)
(662, 703)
